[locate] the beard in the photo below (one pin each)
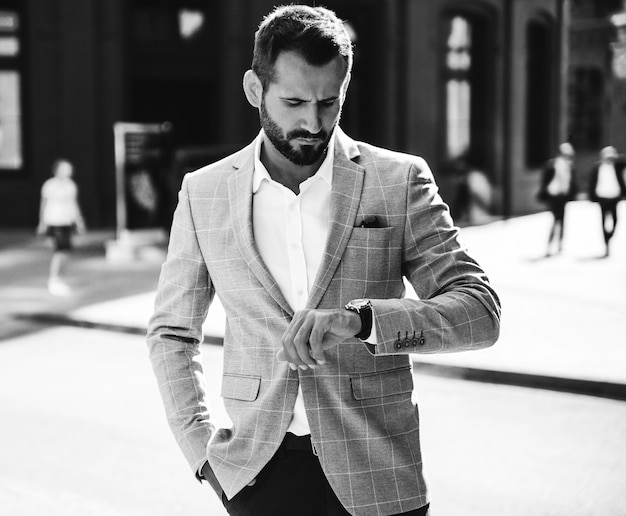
(302, 155)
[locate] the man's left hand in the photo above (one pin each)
(313, 331)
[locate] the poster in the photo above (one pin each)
(142, 163)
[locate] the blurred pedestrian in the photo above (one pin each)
(607, 187)
(306, 237)
(558, 187)
(59, 217)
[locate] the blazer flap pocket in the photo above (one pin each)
(240, 387)
(383, 383)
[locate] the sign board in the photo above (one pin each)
(142, 161)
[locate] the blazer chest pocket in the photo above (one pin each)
(240, 387)
(360, 234)
(382, 383)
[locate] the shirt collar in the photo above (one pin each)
(261, 174)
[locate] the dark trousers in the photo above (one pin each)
(609, 211)
(557, 207)
(292, 483)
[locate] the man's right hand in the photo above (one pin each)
(313, 331)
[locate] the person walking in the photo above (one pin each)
(59, 217)
(306, 236)
(558, 187)
(607, 187)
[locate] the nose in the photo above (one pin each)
(312, 120)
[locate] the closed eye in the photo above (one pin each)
(298, 102)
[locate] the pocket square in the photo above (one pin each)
(369, 221)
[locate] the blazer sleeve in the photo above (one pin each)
(175, 332)
(457, 308)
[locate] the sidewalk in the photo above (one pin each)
(563, 324)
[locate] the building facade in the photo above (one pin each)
(470, 85)
(596, 89)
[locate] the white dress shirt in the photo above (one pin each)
(290, 232)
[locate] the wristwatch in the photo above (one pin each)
(363, 307)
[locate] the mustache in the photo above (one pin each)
(301, 133)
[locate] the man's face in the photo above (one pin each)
(300, 109)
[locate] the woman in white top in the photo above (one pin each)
(59, 216)
(606, 187)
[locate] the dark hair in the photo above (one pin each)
(314, 32)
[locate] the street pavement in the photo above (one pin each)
(563, 321)
(83, 433)
(77, 440)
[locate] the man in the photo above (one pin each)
(607, 188)
(558, 187)
(305, 236)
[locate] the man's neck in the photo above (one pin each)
(284, 171)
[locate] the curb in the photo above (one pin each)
(608, 390)
(66, 320)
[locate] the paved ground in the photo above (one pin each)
(83, 433)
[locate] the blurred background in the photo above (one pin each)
(484, 90)
(489, 85)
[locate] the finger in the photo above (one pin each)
(316, 340)
(283, 357)
(301, 340)
(252, 482)
(288, 338)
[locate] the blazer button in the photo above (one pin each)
(422, 340)
(414, 343)
(398, 345)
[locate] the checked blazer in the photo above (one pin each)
(361, 404)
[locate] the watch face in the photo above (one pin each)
(359, 304)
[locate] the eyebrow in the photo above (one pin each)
(298, 99)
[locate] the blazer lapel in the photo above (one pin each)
(344, 203)
(240, 200)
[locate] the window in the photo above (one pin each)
(170, 23)
(586, 93)
(540, 91)
(468, 86)
(458, 87)
(11, 153)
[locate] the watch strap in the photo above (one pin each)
(365, 313)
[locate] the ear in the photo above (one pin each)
(252, 88)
